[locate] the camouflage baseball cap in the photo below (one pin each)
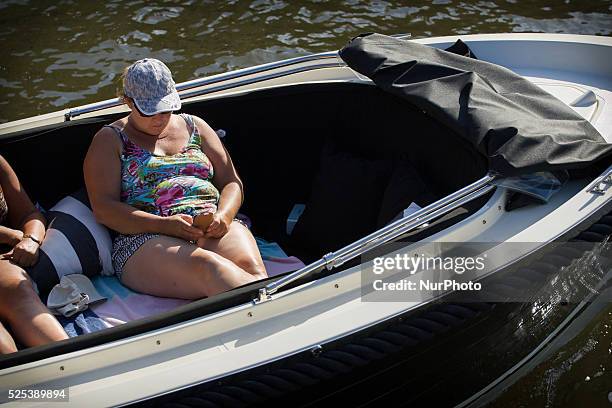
(149, 83)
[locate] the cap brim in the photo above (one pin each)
(169, 103)
(60, 296)
(86, 286)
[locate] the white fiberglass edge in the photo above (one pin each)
(555, 37)
(295, 320)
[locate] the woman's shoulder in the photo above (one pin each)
(118, 124)
(197, 120)
(203, 128)
(111, 129)
(107, 137)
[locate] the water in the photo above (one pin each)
(579, 372)
(577, 375)
(61, 54)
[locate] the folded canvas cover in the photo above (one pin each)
(517, 126)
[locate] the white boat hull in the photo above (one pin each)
(300, 319)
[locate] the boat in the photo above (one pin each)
(493, 145)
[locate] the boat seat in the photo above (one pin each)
(76, 244)
(352, 196)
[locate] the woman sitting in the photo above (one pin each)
(20, 307)
(149, 175)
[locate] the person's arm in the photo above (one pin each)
(102, 171)
(22, 215)
(225, 179)
(10, 236)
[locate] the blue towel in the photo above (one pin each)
(82, 323)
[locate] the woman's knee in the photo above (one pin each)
(215, 271)
(207, 264)
(248, 259)
(251, 265)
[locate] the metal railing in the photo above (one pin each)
(200, 82)
(385, 234)
(241, 73)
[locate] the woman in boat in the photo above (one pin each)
(150, 176)
(22, 229)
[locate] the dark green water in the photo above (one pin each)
(577, 375)
(61, 54)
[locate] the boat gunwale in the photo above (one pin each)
(191, 312)
(242, 296)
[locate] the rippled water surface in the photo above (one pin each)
(59, 54)
(577, 375)
(579, 372)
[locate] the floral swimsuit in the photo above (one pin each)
(168, 185)
(163, 185)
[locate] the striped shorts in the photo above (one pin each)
(124, 246)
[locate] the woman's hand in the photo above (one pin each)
(25, 253)
(218, 226)
(181, 226)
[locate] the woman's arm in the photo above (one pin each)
(225, 179)
(102, 171)
(22, 215)
(10, 236)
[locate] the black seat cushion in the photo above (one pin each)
(344, 204)
(404, 188)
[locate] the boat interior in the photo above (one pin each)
(353, 155)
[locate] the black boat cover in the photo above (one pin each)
(516, 125)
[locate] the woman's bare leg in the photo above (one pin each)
(7, 344)
(239, 246)
(20, 307)
(171, 267)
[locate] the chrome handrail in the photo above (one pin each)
(385, 234)
(195, 83)
(261, 78)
